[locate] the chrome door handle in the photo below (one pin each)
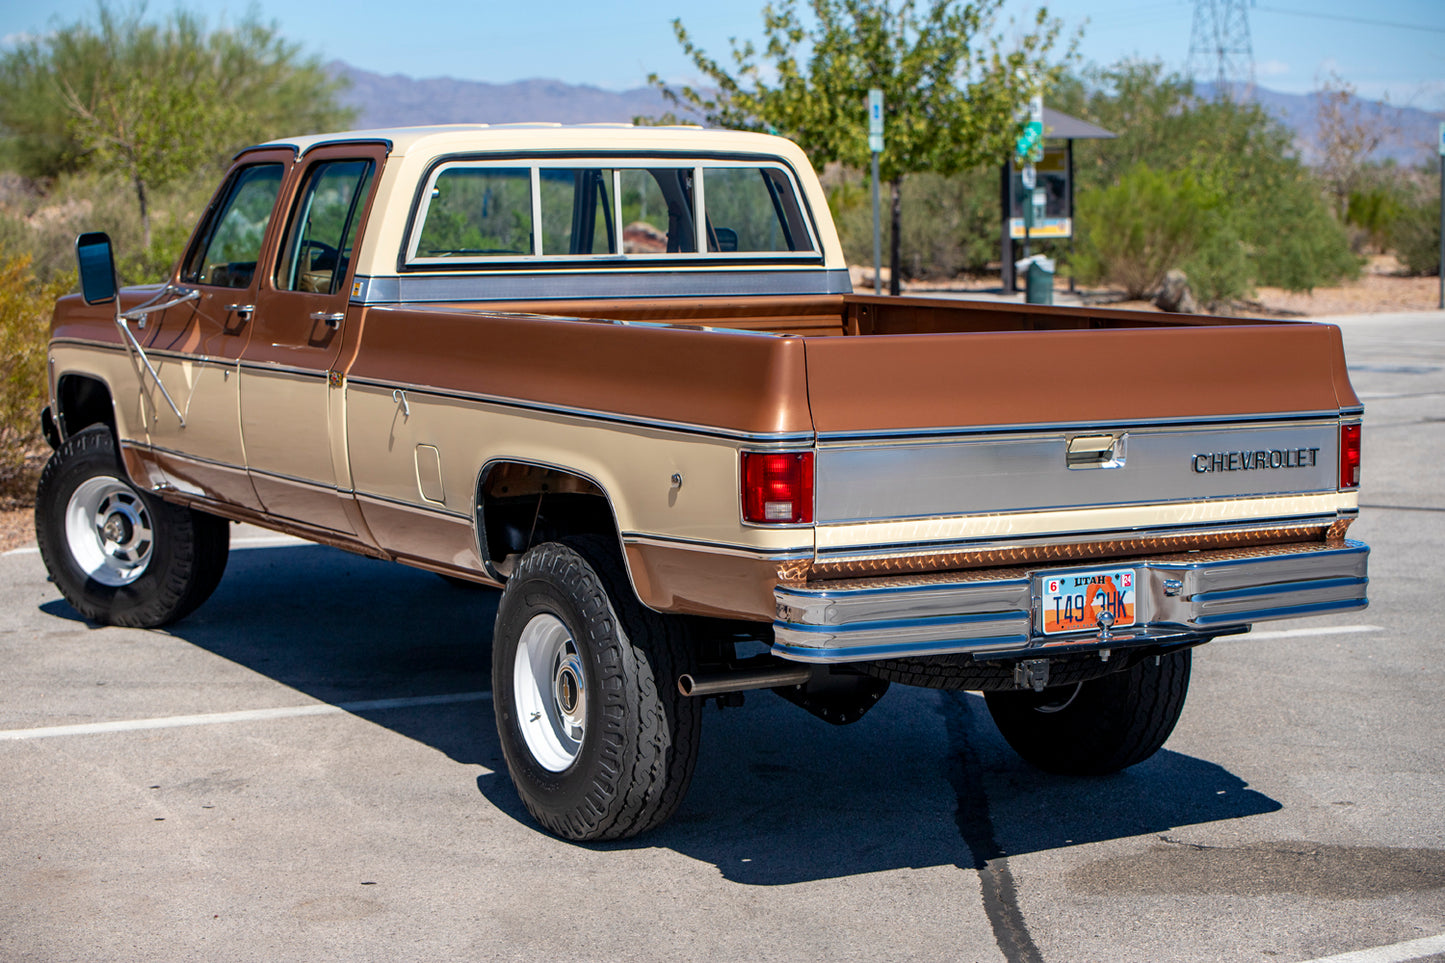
(333, 319)
(241, 308)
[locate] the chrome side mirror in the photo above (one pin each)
(97, 267)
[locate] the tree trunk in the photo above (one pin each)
(145, 212)
(895, 257)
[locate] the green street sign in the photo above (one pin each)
(1031, 139)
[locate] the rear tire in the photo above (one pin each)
(1099, 726)
(121, 556)
(598, 740)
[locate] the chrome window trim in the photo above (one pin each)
(535, 164)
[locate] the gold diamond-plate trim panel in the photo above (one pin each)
(1070, 552)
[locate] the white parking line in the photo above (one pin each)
(1396, 953)
(252, 541)
(1322, 630)
(244, 715)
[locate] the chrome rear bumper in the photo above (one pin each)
(1180, 598)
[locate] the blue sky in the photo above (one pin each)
(1400, 52)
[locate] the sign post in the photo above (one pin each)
(1030, 150)
(875, 147)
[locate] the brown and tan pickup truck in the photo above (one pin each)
(620, 373)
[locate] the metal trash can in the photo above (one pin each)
(1038, 274)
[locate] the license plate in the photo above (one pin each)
(1073, 601)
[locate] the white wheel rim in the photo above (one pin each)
(109, 531)
(550, 691)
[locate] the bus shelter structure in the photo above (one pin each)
(1054, 176)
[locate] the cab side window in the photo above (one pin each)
(225, 254)
(317, 251)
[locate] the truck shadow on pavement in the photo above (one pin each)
(779, 796)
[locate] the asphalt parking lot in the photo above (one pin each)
(306, 769)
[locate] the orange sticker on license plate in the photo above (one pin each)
(1074, 601)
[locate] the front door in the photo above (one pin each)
(195, 346)
(292, 401)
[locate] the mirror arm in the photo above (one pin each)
(151, 306)
(140, 352)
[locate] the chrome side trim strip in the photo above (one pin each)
(716, 548)
(900, 434)
(682, 427)
(778, 438)
(412, 506)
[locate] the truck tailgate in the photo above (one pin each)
(955, 450)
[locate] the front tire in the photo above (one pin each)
(121, 556)
(598, 740)
(1099, 726)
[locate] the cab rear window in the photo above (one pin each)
(481, 211)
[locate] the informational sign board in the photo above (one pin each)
(1051, 177)
(1030, 144)
(1441, 146)
(875, 120)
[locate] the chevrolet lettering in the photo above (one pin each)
(1255, 460)
(618, 375)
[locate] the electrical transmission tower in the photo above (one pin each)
(1219, 44)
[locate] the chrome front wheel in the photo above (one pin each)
(109, 531)
(122, 556)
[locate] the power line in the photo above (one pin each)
(1335, 16)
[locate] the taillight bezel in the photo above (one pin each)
(1350, 462)
(794, 469)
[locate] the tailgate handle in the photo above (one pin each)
(1096, 451)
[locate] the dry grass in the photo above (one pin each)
(17, 529)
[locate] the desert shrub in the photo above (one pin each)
(25, 307)
(45, 225)
(1373, 210)
(1297, 243)
(950, 224)
(1135, 231)
(1415, 236)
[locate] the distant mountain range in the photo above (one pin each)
(397, 101)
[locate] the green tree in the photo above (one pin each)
(951, 90)
(154, 101)
(1270, 202)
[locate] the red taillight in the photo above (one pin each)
(777, 487)
(1349, 456)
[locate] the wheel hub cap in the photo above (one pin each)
(108, 530)
(549, 687)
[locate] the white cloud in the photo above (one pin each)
(1271, 68)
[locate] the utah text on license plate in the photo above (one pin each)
(1073, 601)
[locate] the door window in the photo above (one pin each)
(225, 255)
(317, 252)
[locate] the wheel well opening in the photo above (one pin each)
(520, 505)
(82, 402)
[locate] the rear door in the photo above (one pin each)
(292, 410)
